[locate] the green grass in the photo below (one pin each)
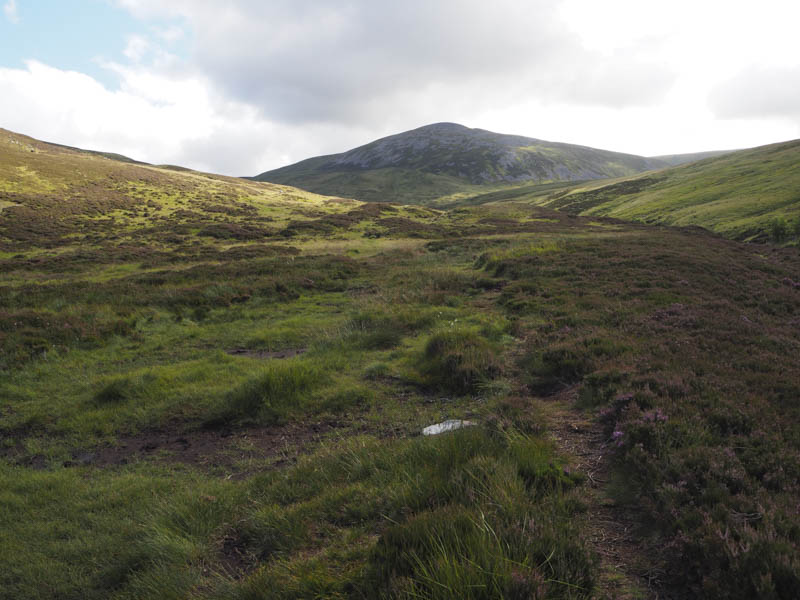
(271, 395)
(738, 195)
(457, 360)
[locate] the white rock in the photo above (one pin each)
(449, 425)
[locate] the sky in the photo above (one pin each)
(244, 86)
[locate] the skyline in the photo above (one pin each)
(252, 87)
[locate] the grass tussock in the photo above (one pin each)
(118, 390)
(270, 396)
(458, 360)
(458, 521)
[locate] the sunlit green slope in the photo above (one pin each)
(57, 197)
(747, 194)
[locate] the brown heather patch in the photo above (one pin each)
(686, 343)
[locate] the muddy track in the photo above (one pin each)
(626, 572)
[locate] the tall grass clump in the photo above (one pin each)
(483, 514)
(458, 360)
(123, 388)
(271, 396)
(452, 553)
(375, 330)
(383, 326)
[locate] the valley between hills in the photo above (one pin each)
(215, 387)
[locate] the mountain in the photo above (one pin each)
(447, 160)
(740, 194)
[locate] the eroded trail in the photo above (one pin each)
(626, 571)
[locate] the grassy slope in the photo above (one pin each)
(736, 195)
(119, 313)
(673, 160)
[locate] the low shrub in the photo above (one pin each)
(599, 388)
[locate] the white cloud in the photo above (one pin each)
(308, 61)
(61, 105)
(11, 11)
(136, 48)
(267, 83)
(758, 92)
(636, 76)
(175, 119)
(170, 34)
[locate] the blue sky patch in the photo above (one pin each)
(77, 35)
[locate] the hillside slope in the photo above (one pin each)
(673, 160)
(447, 160)
(215, 388)
(738, 194)
(53, 196)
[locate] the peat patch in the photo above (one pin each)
(266, 354)
(226, 449)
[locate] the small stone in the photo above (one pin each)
(449, 425)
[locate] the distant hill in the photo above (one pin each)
(738, 194)
(447, 160)
(673, 160)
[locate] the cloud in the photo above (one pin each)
(55, 105)
(759, 92)
(136, 48)
(306, 61)
(11, 11)
(161, 118)
(170, 34)
(245, 86)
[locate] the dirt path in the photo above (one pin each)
(625, 572)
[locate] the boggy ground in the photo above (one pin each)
(635, 390)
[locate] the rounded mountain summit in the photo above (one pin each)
(448, 160)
